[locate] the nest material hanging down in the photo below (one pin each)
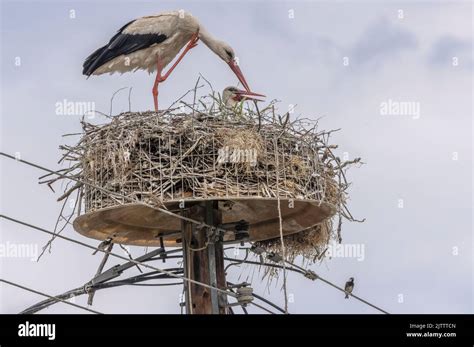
(211, 152)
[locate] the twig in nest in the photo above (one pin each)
(56, 231)
(130, 99)
(112, 99)
(195, 92)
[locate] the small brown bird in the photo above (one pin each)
(349, 287)
(103, 245)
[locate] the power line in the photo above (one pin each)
(300, 270)
(128, 281)
(262, 308)
(49, 296)
(118, 256)
(190, 220)
(165, 211)
(341, 289)
(84, 290)
(239, 262)
(124, 258)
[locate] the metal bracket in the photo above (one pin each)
(240, 229)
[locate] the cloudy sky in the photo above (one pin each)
(350, 62)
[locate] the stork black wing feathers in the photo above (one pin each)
(118, 45)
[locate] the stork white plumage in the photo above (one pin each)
(152, 42)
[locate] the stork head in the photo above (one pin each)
(226, 53)
(351, 279)
(232, 96)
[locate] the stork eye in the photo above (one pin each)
(229, 54)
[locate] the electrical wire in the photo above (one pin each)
(129, 199)
(123, 258)
(84, 290)
(117, 255)
(202, 224)
(49, 296)
(303, 271)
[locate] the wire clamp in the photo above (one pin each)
(244, 295)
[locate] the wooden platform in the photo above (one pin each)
(141, 225)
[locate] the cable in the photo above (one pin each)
(156, 284)
(264, 264)
(156, 208)
(237, 262)
(190, 220)
(269, 303)
(83, 290)
(341, 289)
(180, 277)
(262, 308)
(118, 256)
(49, 296)
(303, 271)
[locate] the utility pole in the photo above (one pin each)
(203, 257)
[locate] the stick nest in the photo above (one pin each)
(208, 150)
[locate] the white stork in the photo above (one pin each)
(152, 42)
(231, 96)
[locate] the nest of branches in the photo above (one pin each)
(208, 150)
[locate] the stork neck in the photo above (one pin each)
(209, 40)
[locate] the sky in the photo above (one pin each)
(395, 76)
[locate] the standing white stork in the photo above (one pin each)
(152, 42)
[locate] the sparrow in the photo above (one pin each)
(349, 287)
(103, 245)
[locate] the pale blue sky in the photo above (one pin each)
(299, 61)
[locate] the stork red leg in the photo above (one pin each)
(191, 44)
(159, 68)
(158, 79)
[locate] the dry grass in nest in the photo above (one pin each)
(309, 243)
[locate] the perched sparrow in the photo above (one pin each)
(349, 287)
(103, 245)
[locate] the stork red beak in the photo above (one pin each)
(241, 93)
(245, 95)
(234, 67)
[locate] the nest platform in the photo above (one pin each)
(138, 164)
